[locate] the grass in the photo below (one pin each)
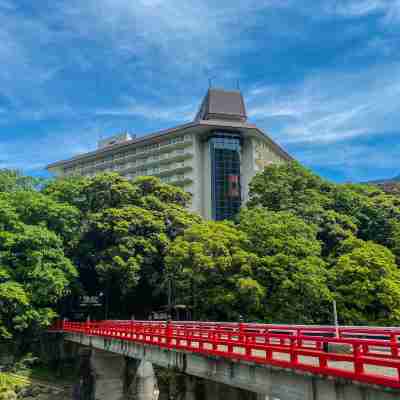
(11, 382)
(48, 374)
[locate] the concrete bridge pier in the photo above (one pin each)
(144, 385)
(109, 373)
(190, 388)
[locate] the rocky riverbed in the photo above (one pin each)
(38, 392)
(13, 387)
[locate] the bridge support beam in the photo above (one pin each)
(331, 390)
(217, 391)
(109, 372)
(272, 382)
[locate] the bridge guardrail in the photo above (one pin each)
(372, 354)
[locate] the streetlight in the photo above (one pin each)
(335, 318)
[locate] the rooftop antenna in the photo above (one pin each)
(238, 84)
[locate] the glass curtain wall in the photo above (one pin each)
(225, 150)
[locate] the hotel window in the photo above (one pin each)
(225, 152)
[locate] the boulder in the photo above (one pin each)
(25, 392)
(36, 390)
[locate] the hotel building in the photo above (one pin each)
(213, 158)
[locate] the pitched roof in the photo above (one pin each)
(223, 105)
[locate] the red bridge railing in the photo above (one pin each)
(369, 355)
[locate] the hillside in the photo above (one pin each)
(389, 185)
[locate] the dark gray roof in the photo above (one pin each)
(223, 105)
(219, 108)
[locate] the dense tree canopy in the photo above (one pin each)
(126, 228)
(367, 285)
(358, 228)
(213, 271)
(298, 243)
(289, 265)
(34, 271)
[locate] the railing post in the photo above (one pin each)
(243, 338)
(394, 345)
(293, 350)
(169, 333)
(358, 364)
(323, 360)
(132, 326)
(87, 325)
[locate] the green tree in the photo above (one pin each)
(338, 211)
(125, 229)
(289, 266)
(367, 285)
(13, 180)
(127, 239)
(35, 208)
(69, 190)
(34, 273)
(213, 272)
(288, 187)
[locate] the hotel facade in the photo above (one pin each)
(214, 157)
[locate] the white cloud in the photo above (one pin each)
(167, 113)
(357, 8)
(167, 49)
(389, 9)
(31, 153)
(331, 107)
(352, 161)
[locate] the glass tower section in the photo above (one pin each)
(225, 150)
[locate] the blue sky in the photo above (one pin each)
(322, 78)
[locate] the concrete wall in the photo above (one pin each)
(272, 383)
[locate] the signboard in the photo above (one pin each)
(90, 301)
(160, 316)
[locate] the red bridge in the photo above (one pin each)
(363, 354)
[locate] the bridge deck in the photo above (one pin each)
(369, 355)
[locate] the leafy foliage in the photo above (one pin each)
(299, 243)
(358, 229)
(213, 271)
(34, 271)
(289, 266)
(13, 180)
(367, 285)
(126, 228)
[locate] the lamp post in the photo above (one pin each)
(173, 233)
(335, 318)
(169, 297)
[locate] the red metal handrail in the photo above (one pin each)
(365, 354)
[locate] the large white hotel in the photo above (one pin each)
(213, 158)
